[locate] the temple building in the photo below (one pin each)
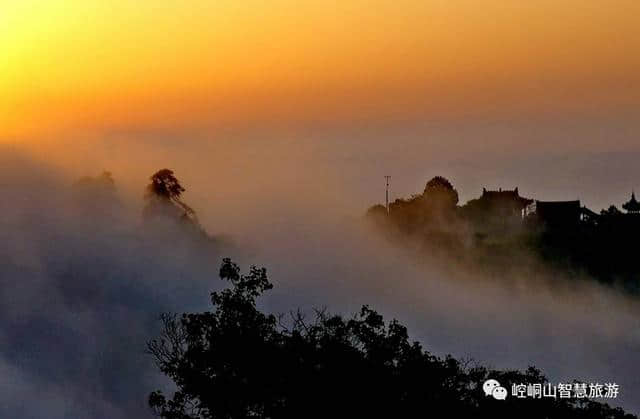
(632, 206)
(497, 212)
(507, 203)
(557, 214)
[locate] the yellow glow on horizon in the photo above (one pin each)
(69, 64)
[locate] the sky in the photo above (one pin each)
(78, 66)
(355, 89)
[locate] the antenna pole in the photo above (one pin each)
(387, 194)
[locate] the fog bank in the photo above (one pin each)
(81, 294)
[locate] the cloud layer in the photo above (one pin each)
(80, 292)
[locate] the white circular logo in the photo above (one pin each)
(492, 387)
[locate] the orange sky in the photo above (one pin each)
(90, 65)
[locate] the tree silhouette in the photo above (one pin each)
(238, 362)
(163, 196)
(164, 184)
(441, 193)
(102, 186)
(96, 196)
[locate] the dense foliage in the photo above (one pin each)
(238, 362)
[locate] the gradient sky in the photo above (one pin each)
(72, 66)
(281, 118)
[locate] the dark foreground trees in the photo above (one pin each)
(238, 362)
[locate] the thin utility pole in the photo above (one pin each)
(387, 193)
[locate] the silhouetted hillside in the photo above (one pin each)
(502, 225)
